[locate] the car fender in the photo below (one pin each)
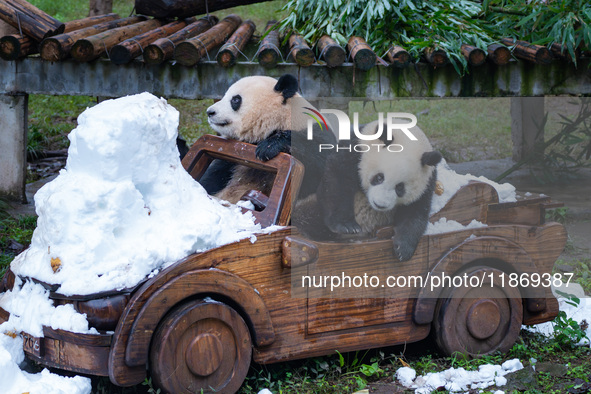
(131, 343)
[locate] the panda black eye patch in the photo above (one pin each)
(400, 190)
(235, 102)
(377, 179)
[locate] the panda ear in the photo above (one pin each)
(431, 158)
(288, 86)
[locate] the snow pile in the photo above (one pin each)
(452, 182)
(16, 381)
(124, 205)
(458, 379)
(443, 226)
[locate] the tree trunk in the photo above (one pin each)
(186, 8)
(100, 7)
(300, 51)
(268, 53)
(361, 53)
(328, 49)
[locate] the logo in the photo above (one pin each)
(393, 121)
(316, 118)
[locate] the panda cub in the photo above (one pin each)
(361, 192)
(269, 113)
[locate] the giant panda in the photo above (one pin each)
(270, 113)
(364, 191)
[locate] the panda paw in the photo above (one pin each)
(344, 227)
(273, 145)
(403, 251)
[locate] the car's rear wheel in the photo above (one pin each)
(201, 345)
(481, 318)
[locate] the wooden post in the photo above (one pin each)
(361, 54)
(300, 51)
(527, 114)
(475, 56)
(189, 52)
(163, 49)
(268, 52)
(58, 47)
(229, 52)
(127, 50)
(530, 52)
(90, 48)
(13, 140)
(436, 57)
(499, 54)
(14, 46)
(398, 56)
(330, 51)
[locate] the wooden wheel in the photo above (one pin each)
(479, 320)
(201, 345)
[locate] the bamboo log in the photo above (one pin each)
(398, 56)
(300, 51)
(363, 57)
(15, 46)
(475, 56)
(437, 57)
(268, 52)
(92, 47)
(29, 25)
(499, 54)
(530, 52)
(229, 52)
(186, 8)
(126, 51)
(328, 49)
(163, 49)
(189, 52)
(58, 47)
(54, 26)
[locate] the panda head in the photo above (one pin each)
(391, 177)
(254, 107)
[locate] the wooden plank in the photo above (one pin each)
(468, 203)
(73, 357)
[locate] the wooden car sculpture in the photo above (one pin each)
(199, 323)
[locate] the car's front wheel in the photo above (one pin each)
(201, 345)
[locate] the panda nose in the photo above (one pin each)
(210, 112)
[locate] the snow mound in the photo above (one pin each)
(452, 182)
(16, 381)
(458, 379)
(123, 206)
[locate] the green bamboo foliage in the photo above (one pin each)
(415, 25)
(564, 22)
